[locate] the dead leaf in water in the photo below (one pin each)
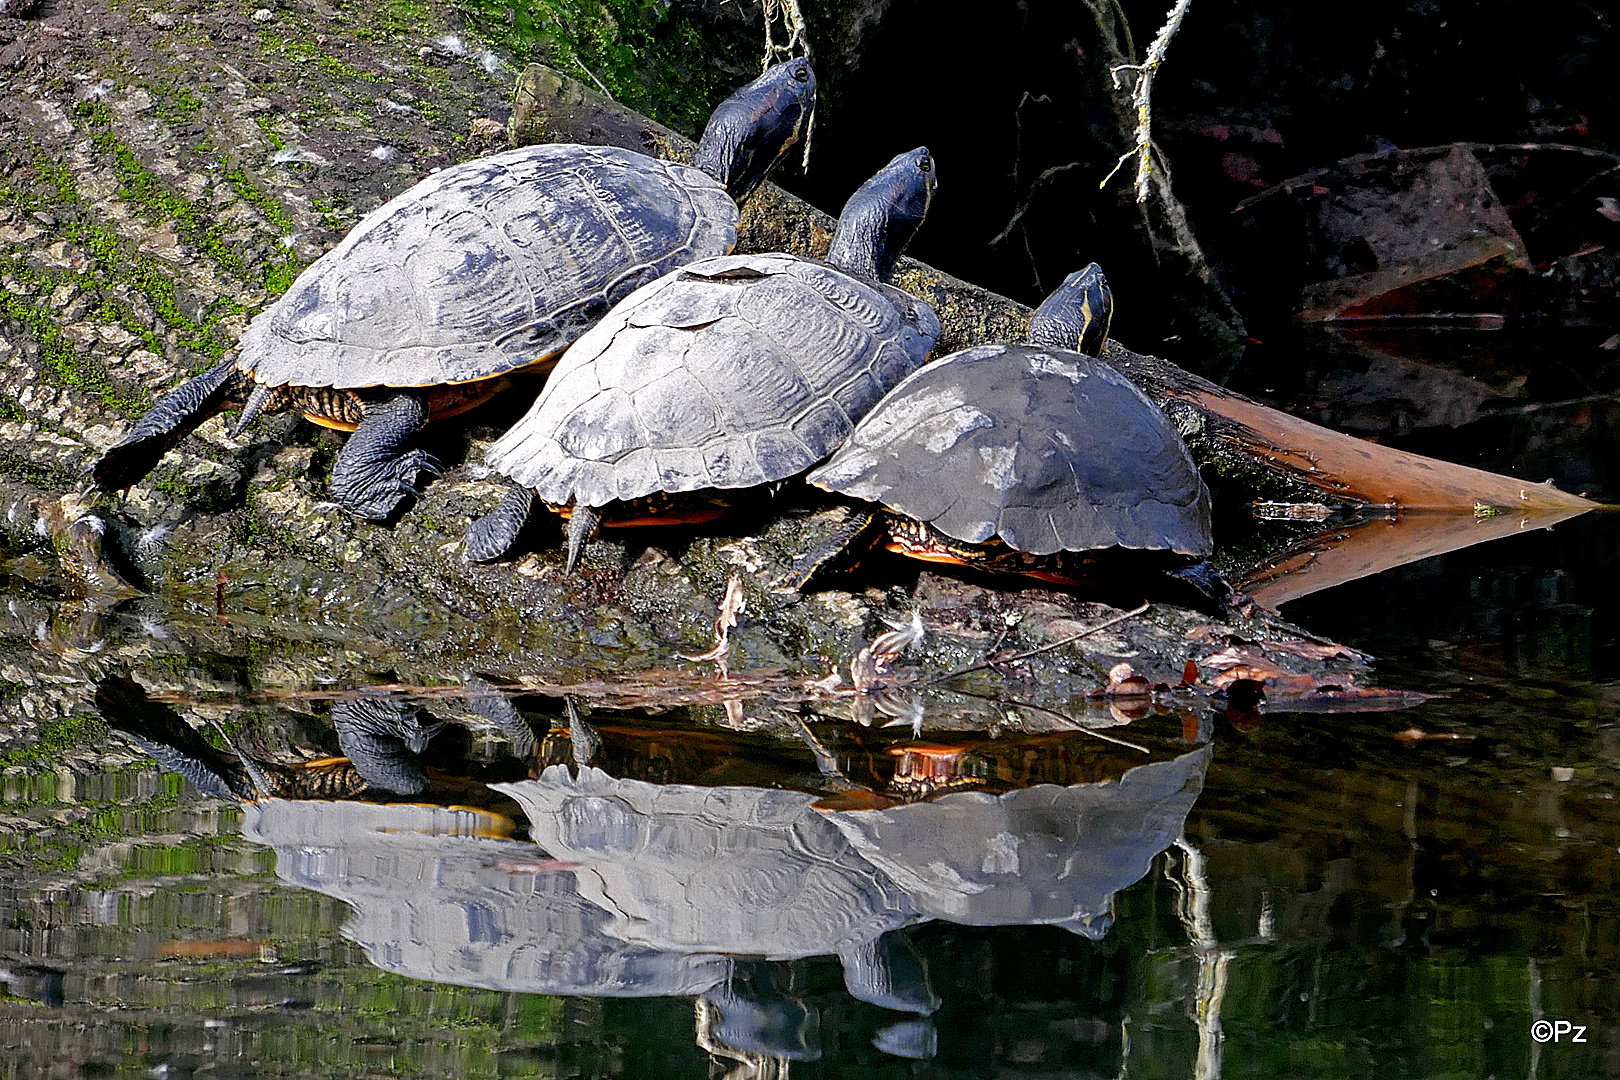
(1252, 672)
(1413, 735)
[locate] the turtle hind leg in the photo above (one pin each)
(176, 415)
(374, 474)
(858, 532)
(494, 535)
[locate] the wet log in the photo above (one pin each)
(1255, 450)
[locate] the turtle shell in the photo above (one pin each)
(487, 267)
(1047, 449)
(731, 372)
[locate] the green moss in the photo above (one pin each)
(266, 124)
(652, 57)
(61, 355)
(304, 50)
(56, 739)
(174, 102)
(331, 216)
(278, 275)
(153, 199)
(141, 187)
(65, 192)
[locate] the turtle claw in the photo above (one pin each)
(378, 492)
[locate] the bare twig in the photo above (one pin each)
(1143, 151)
(605, 92)
(1069, 721)
(994, 661)
(1023, 207)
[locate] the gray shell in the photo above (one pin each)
(732, 372)
(487, 267)
(1043, 854)
(1048, 449)
(434, 900)
(742, 870)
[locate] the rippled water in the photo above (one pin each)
(191, 887)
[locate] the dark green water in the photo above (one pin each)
(1308, 897)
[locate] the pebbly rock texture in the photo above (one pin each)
(167, 173)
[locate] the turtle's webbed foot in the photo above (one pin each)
(378, 492)
(374, 475)
(494, 535)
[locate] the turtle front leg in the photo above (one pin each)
(495, 534)
(374, 474)
(859, 532)
(176, 415)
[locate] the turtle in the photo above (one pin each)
(729, 373)
(1021, 458)
(487, 267)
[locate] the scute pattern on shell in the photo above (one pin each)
(732, 372)
(1049, 450)
(724, 869)
(487, 267)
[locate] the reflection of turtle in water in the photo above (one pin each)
(384, 739)
(168, 740)
(729, 373)
(481, 269)
(732, 869)
(1023, 459)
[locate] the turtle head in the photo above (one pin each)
(753, 128)
(1076, 315)
(883, 215)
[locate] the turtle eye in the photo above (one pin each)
(925, 163)
(801, 73)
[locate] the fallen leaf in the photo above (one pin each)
(1258, 673)
(1310, 650)
(730, 605)
(1417, 735)
(1128, 709)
